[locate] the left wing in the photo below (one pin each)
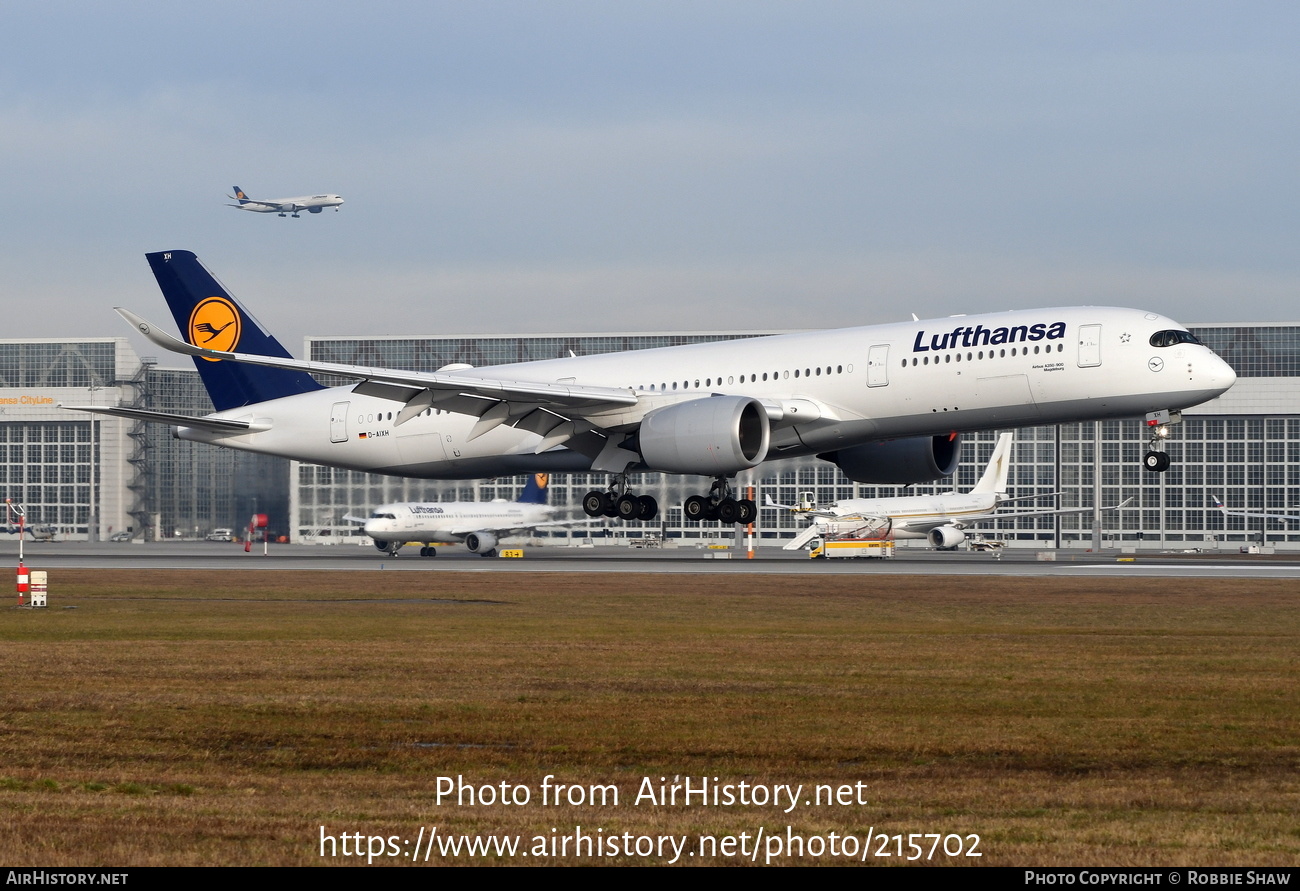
(578, 416)
(271, 204)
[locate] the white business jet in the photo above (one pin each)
(285, 206)
(886, 403)
(941, 519)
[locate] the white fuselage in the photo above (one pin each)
(431, 522)
(913, 516)
(823, 391)
(311, 203)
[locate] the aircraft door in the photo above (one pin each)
(877, 365)
(339, 422)
(1089, 346)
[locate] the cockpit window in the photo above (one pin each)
(378, 516)
(1169, 338)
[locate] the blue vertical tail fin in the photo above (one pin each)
(208, 316)
(535, 489)
(239, 195)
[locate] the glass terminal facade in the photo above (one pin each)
(80, 476)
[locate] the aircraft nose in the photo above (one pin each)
(1219, 374)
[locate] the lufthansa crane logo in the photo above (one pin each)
(542, 479)
(215, 324)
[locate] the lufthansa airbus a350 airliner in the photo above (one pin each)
(885, 403)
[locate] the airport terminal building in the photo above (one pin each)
(92, 476)
(88, 476)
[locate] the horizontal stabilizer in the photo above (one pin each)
(220, 425)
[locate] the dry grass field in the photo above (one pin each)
(182, 718)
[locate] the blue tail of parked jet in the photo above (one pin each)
(208, 316)
(535, 490)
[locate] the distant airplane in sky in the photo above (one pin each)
(480, 524)
(283, 206)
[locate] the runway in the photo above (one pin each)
(217, 556)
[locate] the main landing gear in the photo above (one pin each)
(619, 502)
(720, 505)
(1159, 422)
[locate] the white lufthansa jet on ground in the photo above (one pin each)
(941, 519)
(885, 403)
(285, 206)
(479, 524)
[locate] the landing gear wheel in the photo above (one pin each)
(628, 506)
(1156, 462)
(646, 508)
(728, 511)
(491, 553)
(594, 503)
(696, 507)
(747, 511)
(711, 514)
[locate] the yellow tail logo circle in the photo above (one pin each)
(215, 324)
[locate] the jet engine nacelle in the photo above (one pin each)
(946, 537)
(381, 546)
(714, 436)
(898, 462)
(478, 542)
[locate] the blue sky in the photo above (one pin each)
(531, 166)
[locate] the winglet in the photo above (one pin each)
(162, 338)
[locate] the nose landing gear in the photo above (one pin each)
(1158, 423)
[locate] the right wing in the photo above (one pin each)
(962, 522)
(814, 512)
(1223, 509)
